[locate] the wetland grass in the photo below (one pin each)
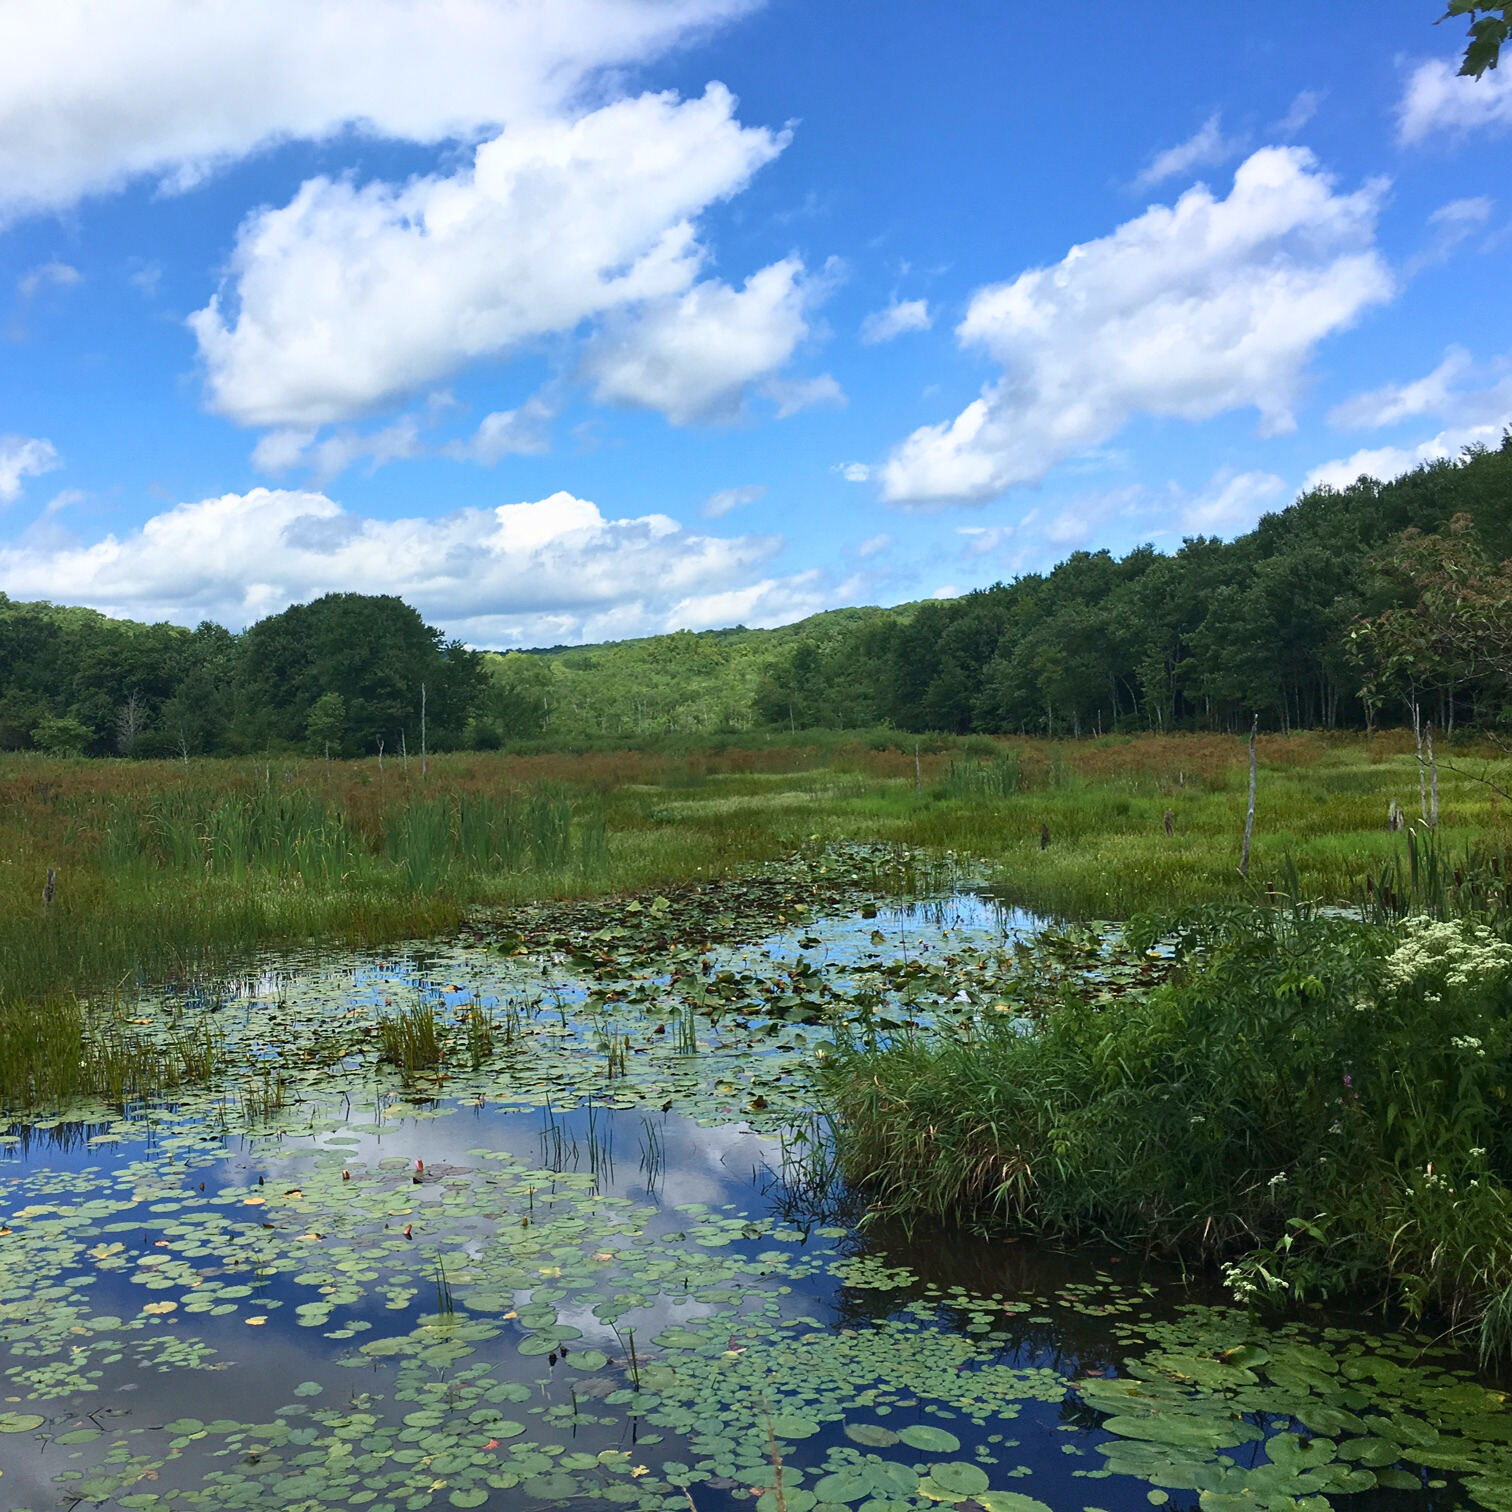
(1313, 1102)
(175, 871)
(411, 1040)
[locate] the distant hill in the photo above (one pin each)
(686, 682)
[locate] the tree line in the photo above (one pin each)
(346, 675)
(1377, 603)
(1350, 607)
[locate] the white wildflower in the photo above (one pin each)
(1452, 953)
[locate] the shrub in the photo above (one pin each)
(1313, 1101)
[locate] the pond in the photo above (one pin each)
(599, 1255)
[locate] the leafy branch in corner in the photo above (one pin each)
(1490, 28)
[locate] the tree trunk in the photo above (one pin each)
(1249, 817)
(1433, 778)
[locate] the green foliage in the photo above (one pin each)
(373, 652)
(326, 724)
(354, 664)
(60, 735)
(516, 702)
(1203, 638)
(1342, 609)
(1316, 1101)
(1490, 29)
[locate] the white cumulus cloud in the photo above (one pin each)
(352, 296)
(692, 355)
(1438, 100)
(524, 431)
(1205, 148)
(1186, 311)
(92, 95)
(1428, 395)
(1387, 462)
(54, 274)
(1437, 393)
(793, 394)
(1231, 503)
(23, 457)
(283, 450)
(1471, 414)
(897, 319)
(719, 504)
(553, 569)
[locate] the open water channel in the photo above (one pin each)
(608, 1263)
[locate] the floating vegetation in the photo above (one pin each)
(346, 1271)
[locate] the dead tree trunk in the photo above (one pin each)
(1249, 816)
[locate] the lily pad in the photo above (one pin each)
(1185, 1430)
(873, 1435)
(20, 1422)
(1010, 1501)
(791, 1425)
(846, 1485)
(556, 1486)
(960, 1477)
(928, 1440)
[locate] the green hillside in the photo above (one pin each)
(684, 683)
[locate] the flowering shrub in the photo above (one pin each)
(1446, 955)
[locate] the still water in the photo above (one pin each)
(604, 1258)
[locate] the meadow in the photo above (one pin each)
(171, 871)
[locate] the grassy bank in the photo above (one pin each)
(1315, 1102)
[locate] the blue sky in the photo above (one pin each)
(568, 319)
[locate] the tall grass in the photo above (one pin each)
(1315, 1102)
(169, 870)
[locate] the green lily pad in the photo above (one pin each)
(1371, 1451)
(790, 1425)
(872, 1435)
(1185, 1430)
(960, 1477)
(553, 1487)
(20, 1422)
(1010, 1501)
(846, 1485)
(472, 1496)
(928, 1440)
(797, 1500)
(890, 1479)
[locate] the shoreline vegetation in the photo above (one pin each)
(1311, 1091)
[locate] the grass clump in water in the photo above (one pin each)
(411, 1039)
(1313, 1102)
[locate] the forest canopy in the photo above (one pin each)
(1347, 608)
